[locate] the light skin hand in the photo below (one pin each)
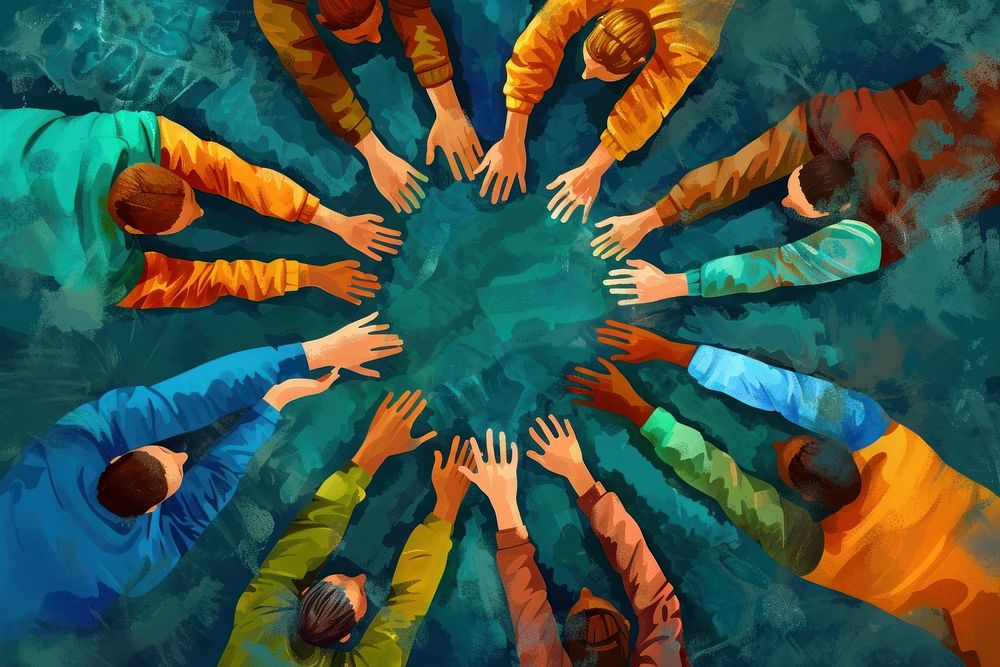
(579, 187)
(391, 431)
(364, 233)
(449, 483)
(352, 346)
(645, 283)
(560, 453)
(609, 391)
(453, 133)
(506, 161)
(625, 234)
(342, 280)
(285, 392)
(641, 345)
(496, 476)
(394, 177)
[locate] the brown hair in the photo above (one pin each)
(596, 638)
(326, 616)
(826, 182)
(147, 198)
(824, 471)
(132, 484)
(345, 14)
(620, 40)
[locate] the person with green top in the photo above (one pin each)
(287, 615)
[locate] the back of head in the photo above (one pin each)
(827, 183)
(595, 633)
(325, 615)
(823, 471)
(621, 40)
(345, 14)
(146, 198)
(132, 484)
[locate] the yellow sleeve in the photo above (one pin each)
(773, 155)
(177, 283)
(213, 168)
(539, 51)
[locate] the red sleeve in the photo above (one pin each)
(660, 640)
(535, 631)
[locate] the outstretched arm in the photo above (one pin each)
(812, 403)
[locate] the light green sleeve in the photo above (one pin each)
(783, 529)
(842, 250)
(389, 638)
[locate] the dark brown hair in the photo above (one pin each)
(326, 616)
(132, 484)
(826, 182)
(824, 471)
(596, 638)
(147, 198)
(345, 14)
(621, 40)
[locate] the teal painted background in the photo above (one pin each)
(496, 303)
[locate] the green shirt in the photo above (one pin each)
(264, 628)
(842, 250)
(783, 529)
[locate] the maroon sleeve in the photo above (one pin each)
(660, 640)
(535, 631)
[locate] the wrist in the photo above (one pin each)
(679, 354)
(274, 399)
(639, 413)
(581, 480)
(508, 515)
(444, 99)
(600, 159)
(368, 459)
(516, 127)
(445, 510)
(369, 146)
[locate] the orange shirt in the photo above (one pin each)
(919, 542)
(210, 167)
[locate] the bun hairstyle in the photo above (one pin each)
(146, 198)
(827, 182)
(326, 616)
(621, 40)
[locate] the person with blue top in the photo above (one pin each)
(99, 508)
(902, 530)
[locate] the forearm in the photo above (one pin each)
(423, 41)
(515, 127)
(507, 512)
(444, 99)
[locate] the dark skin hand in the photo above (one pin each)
(641, 345)
(341, 279)
(610, 392)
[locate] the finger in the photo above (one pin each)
(468, 455)
(386, 239)
(601, 246)
(555, 423)
(507, 186)
(354, 301)
(535, 456)
(513, 454)
(484, 164)
(410, 197)
(487, 180)
(614, 333)
(402, 398)
(467, 473)
(497, 189)
(559, 179)
(582, 381)
(569, 211)
(605, 223)
(557, 199)
(391, 198)
(373, 217)
(524, 187)
(453, 452)
(429, 158)
(545, 428)
(389, 250)
(412, 183)
(607, 364)
(569, 428)
(467, 158)
(455, 173)
(622, 272)
(624, 290)
(619, 281)
(420, 177)
(630, 302)
(613, 343)
(570, 389)
(637, 263)
(378, 327)
(437, 460)
(385, 403)
(489, 445)
(614, 248)
(368, 253)
(403, 205)
(417, 410)
(382, 354)
(356, 294)
(534, 436)
(477, 453)
(503, 456)
(410, 402)
(587, 371)
(474, 142)
(361, 276)
(586, 209)
(425, 437)
(365, 320)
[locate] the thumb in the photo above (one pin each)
(536, 457)
(554, 183)
(465, 471)
(430, 151)
(437, 459)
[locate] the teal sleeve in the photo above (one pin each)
(784, 530)
(842, 250)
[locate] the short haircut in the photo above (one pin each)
(827, 182)
(326, 616)
(345, 14)
(147, 198)
(596, 638)
(621, 40)
(132, 484)
(825, 471)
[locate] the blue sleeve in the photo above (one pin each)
(136, 416)
(210, 484)
(814, 404)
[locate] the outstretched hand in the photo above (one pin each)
(342, 280)
(609, 391)
(391, 430)
(641, 345)
(560, 453)
(363, 232)
(285, 392)
(448, 481)
(454, 135)
(504, 163)
(352, 346)
(394, 178)
(577, 187)
(625, 233)
(496, 476)
(645, 283)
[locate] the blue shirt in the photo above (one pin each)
(65, 557)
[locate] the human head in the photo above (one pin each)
(619, 43)
(331, 608)
(820, 186)
(138, 481)
(821, 470)
(596, 633)
(352, 21)
(147, 199)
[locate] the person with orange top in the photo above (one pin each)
(683, 35)
(80, 188)
(903, 530)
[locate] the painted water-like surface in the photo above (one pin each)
(496, 303)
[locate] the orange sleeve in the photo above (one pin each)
(539, 50)
(178, 283)
(211, 167)
(423, 40)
